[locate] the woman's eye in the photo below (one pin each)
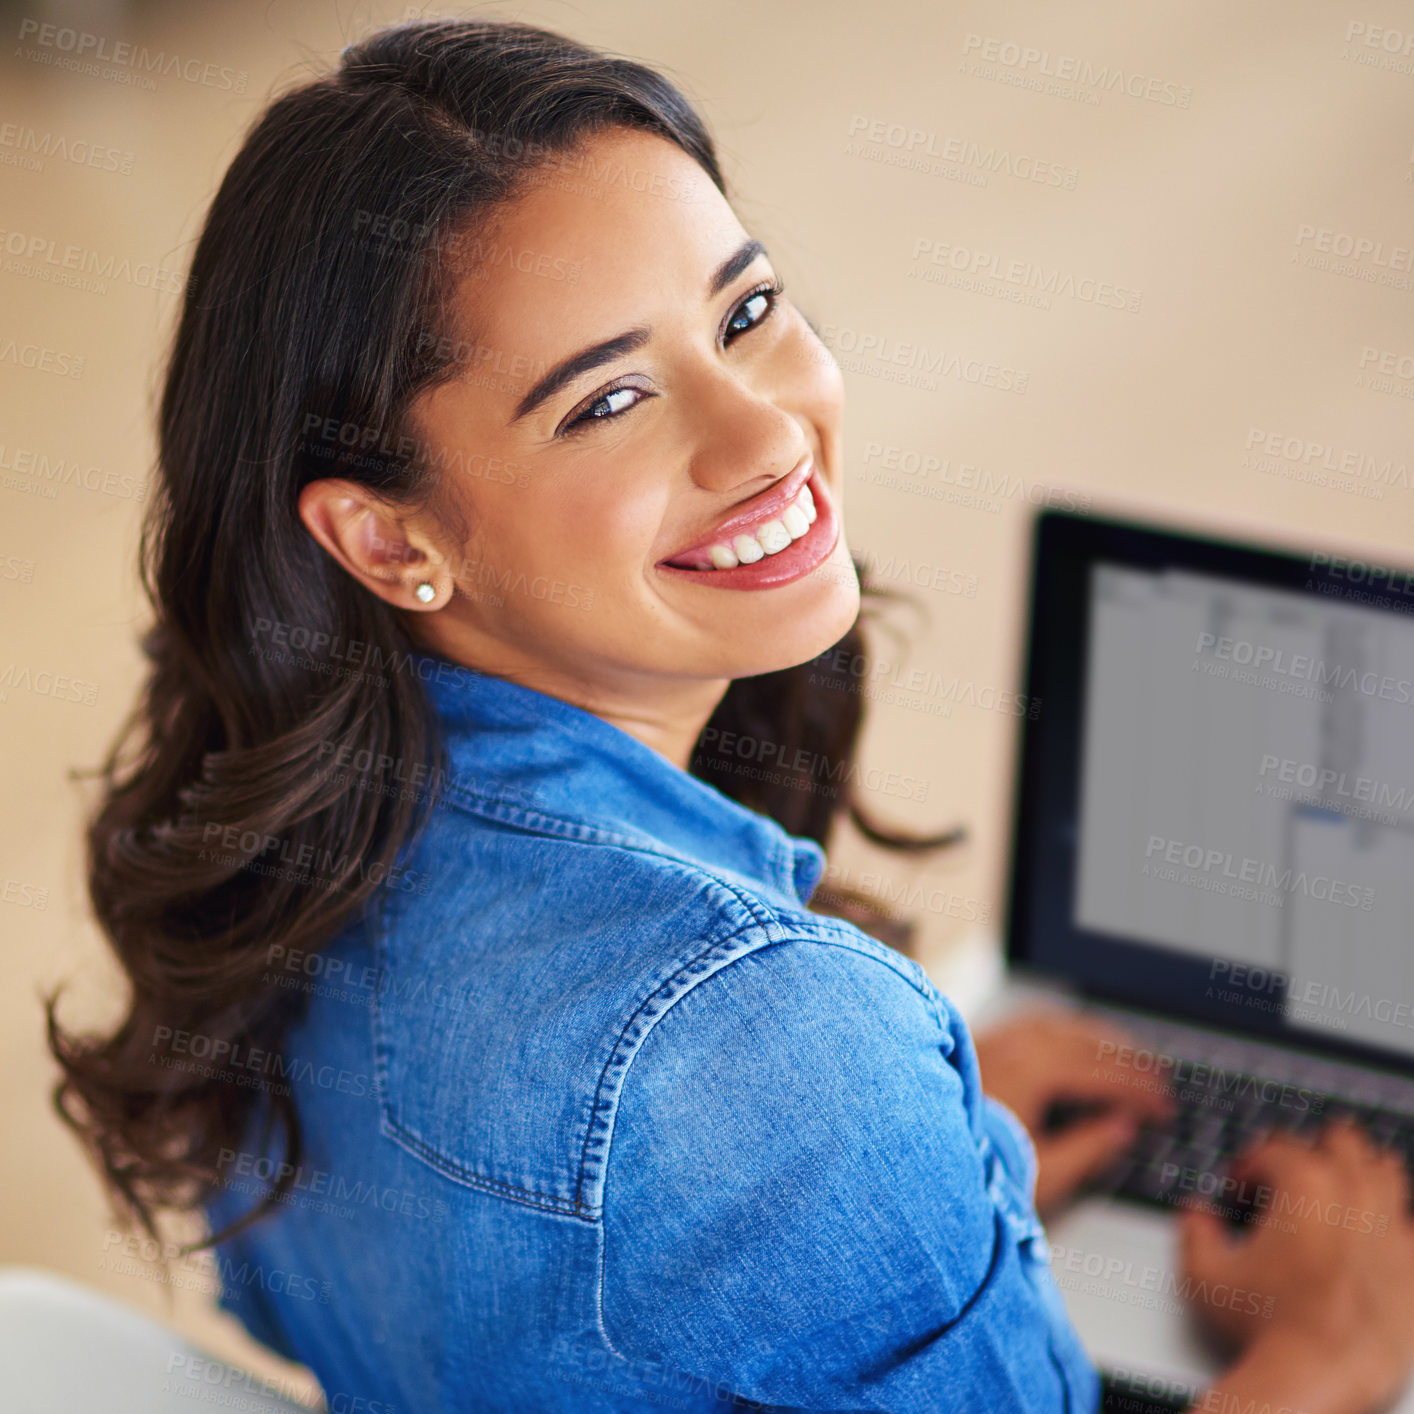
(606, 405)
(616, 400)
(751, 311)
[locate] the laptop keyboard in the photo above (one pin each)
(1227, 1104)
(1190, 1155)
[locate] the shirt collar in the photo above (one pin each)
(525, 748)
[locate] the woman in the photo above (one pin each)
(499, 483)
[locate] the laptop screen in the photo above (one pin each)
(1216, 815)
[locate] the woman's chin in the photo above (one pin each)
(765, 633)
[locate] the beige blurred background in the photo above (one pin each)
(1219, 197)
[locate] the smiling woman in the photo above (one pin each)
(683, 438)
(475, 995)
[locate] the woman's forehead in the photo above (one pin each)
(626, 210)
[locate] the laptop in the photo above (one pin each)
(1213, 847)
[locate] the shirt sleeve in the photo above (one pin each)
(1013, 1145)
(808, 1201)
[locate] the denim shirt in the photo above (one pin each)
(597, 1116)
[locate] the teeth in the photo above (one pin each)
(774, 537)
(770, 538)
(748, 550)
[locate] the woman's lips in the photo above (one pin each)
(757, 513)
(805, 530)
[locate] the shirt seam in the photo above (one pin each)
(762, 918)
(627, 1046)
(780, 856)
(899, 966)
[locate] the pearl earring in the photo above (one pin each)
(425, 592)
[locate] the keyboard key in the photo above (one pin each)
(1211, 1125)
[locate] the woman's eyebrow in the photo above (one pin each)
(733, 265)
(581, 362)
(595, 355)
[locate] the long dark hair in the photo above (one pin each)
(312, 318)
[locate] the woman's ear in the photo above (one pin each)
(375, 544)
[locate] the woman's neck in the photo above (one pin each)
(667, 714)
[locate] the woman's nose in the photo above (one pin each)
(745, 438)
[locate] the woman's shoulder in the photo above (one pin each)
(803, 1133)
(534, 970)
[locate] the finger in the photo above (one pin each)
(1280, 1156)
(1082, 1150)
(1385, 1178)
(1086, 1074)
(1371, 1184)
(1046, 1020)
(1206, 1245)
(1400, 1190)
(1347, 1143)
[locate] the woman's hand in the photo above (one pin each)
(1319, 1292)
(1032, 1061)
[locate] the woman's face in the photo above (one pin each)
(635, 406)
